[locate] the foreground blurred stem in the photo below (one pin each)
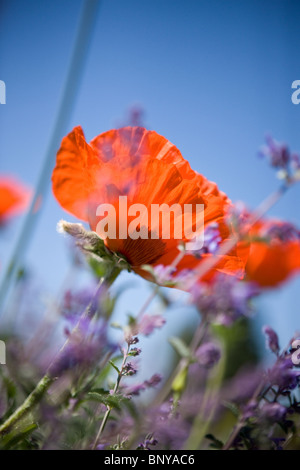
(203, 420)
(70, 90)
(49, 378)
(31, 401)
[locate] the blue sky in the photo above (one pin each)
(212, 76)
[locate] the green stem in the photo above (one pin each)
(234, 435)
(183, 363)
(31, 401)
(202, 422)
(49, 378)
(116, 387)
(241, 422)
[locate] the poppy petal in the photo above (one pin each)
(72, 177)
(14, 197)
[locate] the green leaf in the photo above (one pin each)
(131, 320)
(11, 389)
(180, 347)
(99, 268)
(149, 269)
(13, 438)
(116, 325)
(100, 391)
(115, 367)
(108, 305)
(111, 401)
(232, 407)
(215, 443)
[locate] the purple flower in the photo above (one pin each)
(295, 162)
(271, 339)
(277, 153)
(74, 303)
(224, 300)
(144, 325)
(163, 274)
(129, 369)
(171, 431)
(148, 323)
(136, 115)
(273, 412)
(135, 351)
(282, 231)
(278, 442)
(132, 340)
(87, 342)
(147, 442)
(208, 355)
(238, 216)
(184, 277)
(101, 446)
(138, 388)
(153, 381)
(249, 410)
(283, 375)
(280, 157)
(212, 240)
(168, 275)
(243, 385)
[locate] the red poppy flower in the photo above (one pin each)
(275, 257)
(14, 197)
(147, 169)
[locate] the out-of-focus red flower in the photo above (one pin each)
(14, 197)
(275, 257)
(148, 169)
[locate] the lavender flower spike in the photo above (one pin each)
(272, 342)
(208, 354)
